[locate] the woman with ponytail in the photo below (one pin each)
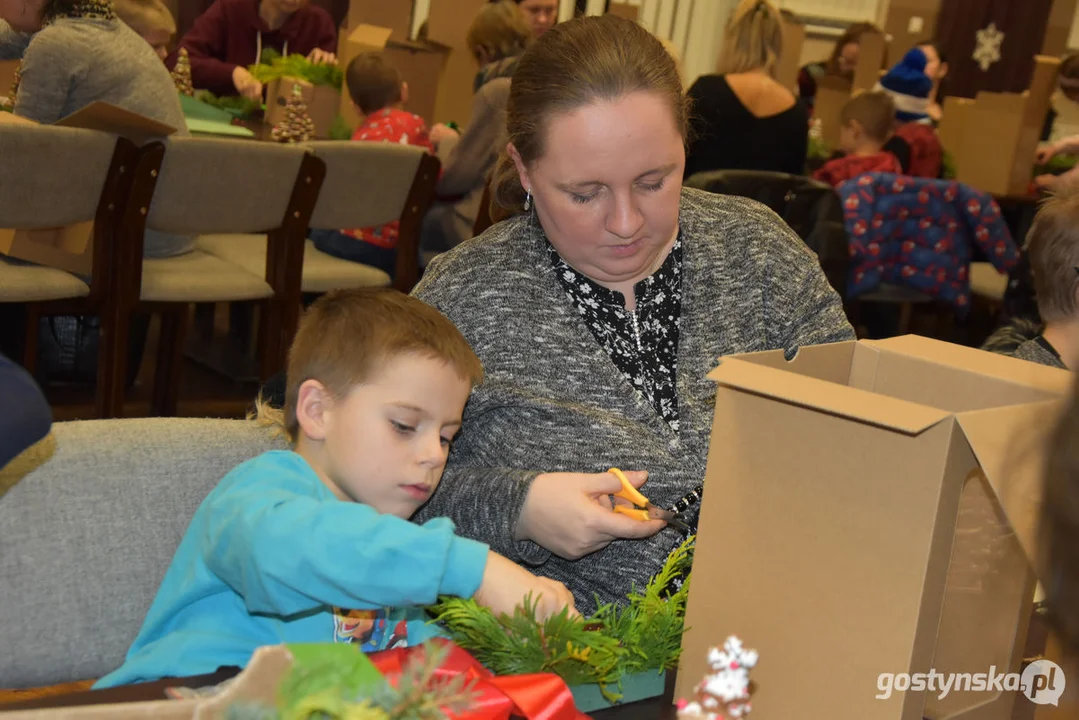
(598, 306)
(743, 119)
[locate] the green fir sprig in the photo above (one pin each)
(274, 66)
(614, 642)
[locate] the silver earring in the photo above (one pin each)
(528, 200)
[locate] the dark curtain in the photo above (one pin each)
(1023, 24)
(188, 10)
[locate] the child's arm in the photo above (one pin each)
(287, 553)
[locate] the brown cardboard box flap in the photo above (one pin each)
(1009, 444)
(842, 400)
(110, 118)
(370, 35)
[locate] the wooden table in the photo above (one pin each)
(660, 708)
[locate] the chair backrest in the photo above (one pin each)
(369, 184)
(811, 208)
(60, 177)
(87, 533)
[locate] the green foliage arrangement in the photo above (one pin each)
(275, 67)
(236, 104)
(948, 170)
(327, 684)
(645, 634)
(340, 129)
(818, 150)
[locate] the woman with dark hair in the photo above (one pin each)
(841, 63)
(76, 52)
(936, 69)
(599, 306)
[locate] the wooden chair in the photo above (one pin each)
(195, 186)
(61, 177)
(366, 185)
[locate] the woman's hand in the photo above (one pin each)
(505, 585)
(571, 514)
(1045, 153)
(440, 132)
(246, 84)
(321, 57)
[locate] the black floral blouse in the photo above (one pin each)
(642, 344)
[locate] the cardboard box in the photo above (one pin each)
(870, 509)
(1010, 123)
(447, 25)
(1058, 27)
(421, 65)
(393, 14)
(71, 248)
(623, 10)
(910, 22)
(834, 92)
(794, 35)
(323, 103)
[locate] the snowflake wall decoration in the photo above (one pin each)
(987, 48)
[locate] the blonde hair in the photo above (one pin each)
(501, 29)
(346, 335)
(874, 111)
(574, 64)
(145, 16)
(672, 50)
(753, 38)
(1053, 246)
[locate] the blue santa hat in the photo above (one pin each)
(909, 87)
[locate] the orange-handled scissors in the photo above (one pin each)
(641, 508)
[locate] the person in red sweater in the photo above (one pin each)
(867, 121)
(232, 34)
(379, 94)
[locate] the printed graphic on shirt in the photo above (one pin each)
(370, 629)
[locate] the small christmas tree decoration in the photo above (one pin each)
(725, 692)
(297, 126)
(181, 74)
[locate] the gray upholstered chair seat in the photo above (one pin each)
(95, 515)
(200, 277)
(36, 283)
(321, 272)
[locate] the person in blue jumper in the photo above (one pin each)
(26, 417)
(314, 544)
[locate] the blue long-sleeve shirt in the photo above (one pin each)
(26, 417)
(272, 556)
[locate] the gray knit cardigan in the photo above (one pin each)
(552, 400)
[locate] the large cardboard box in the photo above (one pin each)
(1058, 27)
(870, 509)
(322, 103)
(834, 92)
(910, 22)
(1009, 123)
(421, 65)
(623, 10)
(393, 14)
(794, 36)
(448, 25)
(71, 248)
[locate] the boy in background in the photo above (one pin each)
(867, 123)
(151, 20)
(379, 94)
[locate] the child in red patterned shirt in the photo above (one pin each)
(378, 92)
(868, 120)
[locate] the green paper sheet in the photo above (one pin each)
(212, 127)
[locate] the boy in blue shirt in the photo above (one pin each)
(314, 544)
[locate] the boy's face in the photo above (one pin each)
(385, 444)
(159, 41)
(850, 136)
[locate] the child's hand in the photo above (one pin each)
(246, 84)
(321, 57)
(1046, 182)
(1045, 153)
(505, 585)
(440, 132)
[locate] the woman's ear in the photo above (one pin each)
(314, 406)
(522, 171)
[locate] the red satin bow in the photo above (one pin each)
(540, 696)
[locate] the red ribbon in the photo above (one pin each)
(540, 696)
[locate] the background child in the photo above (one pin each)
(314, 545)
(150, 19)
(1053, 246)
(867, 121)
(379, 94)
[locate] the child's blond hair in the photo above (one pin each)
(347, 335)
(145, 16)
(1053, 245)
(874, 111)
(373, 82)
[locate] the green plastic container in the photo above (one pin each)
(640, 686)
